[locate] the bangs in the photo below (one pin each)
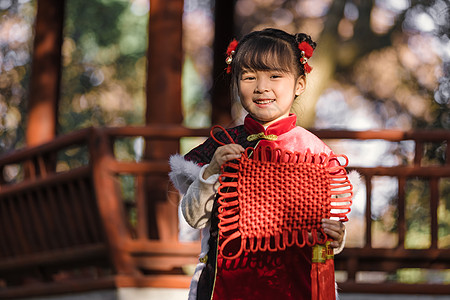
(264, 55)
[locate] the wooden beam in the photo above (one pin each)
(45, 72)
(75, 255)
(348, 288)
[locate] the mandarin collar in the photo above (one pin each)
(279, 127)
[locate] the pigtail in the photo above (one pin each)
(303, 37)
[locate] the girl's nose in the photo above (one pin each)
(262, 86)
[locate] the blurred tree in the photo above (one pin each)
(379, 53)
(104, 64)
(16, 20)
(43, 98)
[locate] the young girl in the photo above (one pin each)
(268, 70)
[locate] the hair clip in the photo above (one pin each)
(231, 50)
(306, 51)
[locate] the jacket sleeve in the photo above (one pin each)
(197, 203)
(198, 194)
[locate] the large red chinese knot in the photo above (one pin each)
(271, 199)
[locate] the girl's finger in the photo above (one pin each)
(232, 148)
(230, 156)
(333, 225)
(335, 230)
(333, 234)
(334, 244)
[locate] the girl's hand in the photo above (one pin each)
(335, 230)
(222, 155)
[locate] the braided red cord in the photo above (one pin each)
(211, 133)
(278, 198)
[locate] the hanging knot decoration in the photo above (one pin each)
(271, 199)
(306, 51)
(231, 50)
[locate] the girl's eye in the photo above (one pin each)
(276, 76)
(248, 77)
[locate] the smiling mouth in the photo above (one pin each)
(263, 101)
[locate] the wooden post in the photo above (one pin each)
(368, 238)
(223, 34)
(434, 206)
(45, 72)
(165, 58)
(401, 205)
(110, 206)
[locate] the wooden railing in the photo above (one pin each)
(66, 225)
(388, 260)
(49, 220)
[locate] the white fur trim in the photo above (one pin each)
(355, 180)
(194, 281)
(183, 172)
(200, 266)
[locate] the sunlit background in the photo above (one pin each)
(381, 64)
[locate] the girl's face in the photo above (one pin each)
(268, 95)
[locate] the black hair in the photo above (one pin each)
(268, 49)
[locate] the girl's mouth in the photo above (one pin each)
(263, 101)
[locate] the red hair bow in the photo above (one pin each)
(230, 52)
(306, 51)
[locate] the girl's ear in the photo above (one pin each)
(300, 85)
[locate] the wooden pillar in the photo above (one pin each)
(165, 58)
(45, 72)
(223, 34)
(111, 208)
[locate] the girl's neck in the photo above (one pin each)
(266, 124)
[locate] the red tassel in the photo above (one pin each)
(308, 68)
(322, 273)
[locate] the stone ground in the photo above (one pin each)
(181, 294)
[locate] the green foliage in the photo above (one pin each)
(96, 18)
(417, 276)
(15, 57)
(103, 80)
